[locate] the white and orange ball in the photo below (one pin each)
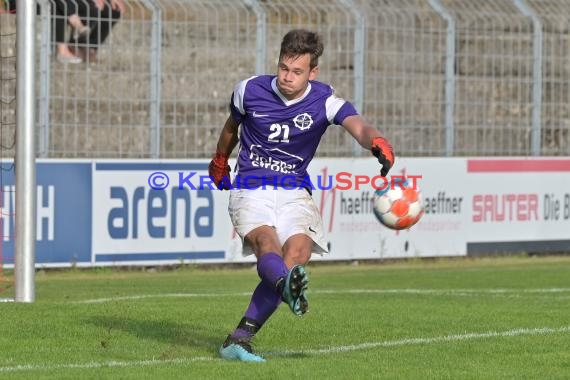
(398, 205)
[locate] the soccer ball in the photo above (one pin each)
(398, 206)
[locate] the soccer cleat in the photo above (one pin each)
(303, 304)
(239, 349)
(294, 290)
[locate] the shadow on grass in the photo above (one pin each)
(175, 334)
(182, 334)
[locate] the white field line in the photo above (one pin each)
(165, 295)
(427, 341)
(315, 351)
(109, 364)
(442, 292)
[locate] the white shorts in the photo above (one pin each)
(291, 212)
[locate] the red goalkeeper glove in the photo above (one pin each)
(219, 171)
(383, 151)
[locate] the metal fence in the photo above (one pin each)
(7, 86)
(439, 77)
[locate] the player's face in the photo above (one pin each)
(294, 74)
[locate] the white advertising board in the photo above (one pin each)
(472, 207)
(107, 212)
(352, 229)
(148, 212)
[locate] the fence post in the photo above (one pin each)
(449, 76)
(44, 78)
(536, 128)
(155, 77)
(359, 61)
(261, 32)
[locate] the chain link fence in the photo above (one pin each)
(555, 81)
(7, 130)
(439, 77)
(7, 86)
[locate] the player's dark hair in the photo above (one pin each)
(300, 41)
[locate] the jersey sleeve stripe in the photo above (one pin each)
(239, 94)
(332, 105)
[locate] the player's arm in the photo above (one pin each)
(370, 138)
(228, 138)
(219, 168)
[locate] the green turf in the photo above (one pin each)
(505, 318)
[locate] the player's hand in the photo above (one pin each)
(220, 170)
(383, 151)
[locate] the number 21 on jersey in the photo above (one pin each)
(280, 133)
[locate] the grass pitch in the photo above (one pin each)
(505, 318)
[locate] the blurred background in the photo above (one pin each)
(439, 77)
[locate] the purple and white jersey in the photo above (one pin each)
(279, 137)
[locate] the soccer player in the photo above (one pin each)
(282, 119)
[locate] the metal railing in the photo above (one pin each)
(439, 77)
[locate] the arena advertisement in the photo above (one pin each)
(145, 212)
(157, 212)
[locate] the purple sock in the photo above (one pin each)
(264, 302)
(271, 268)
(265, 299)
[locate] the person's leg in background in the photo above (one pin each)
(90, 14)
(101, 23)
(59, 12)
